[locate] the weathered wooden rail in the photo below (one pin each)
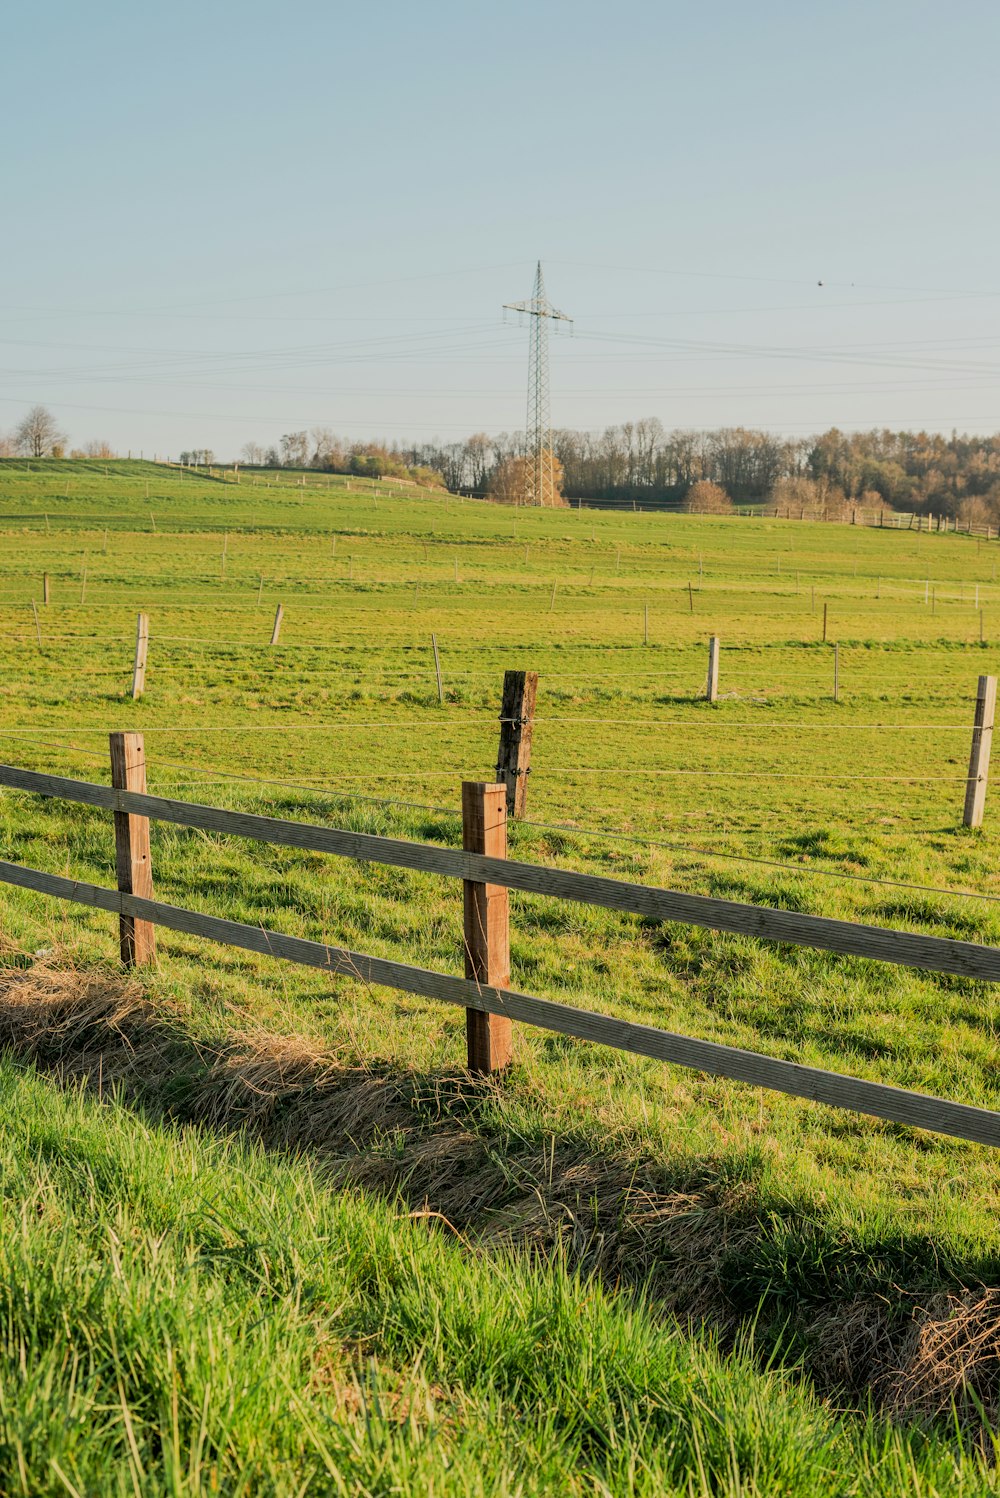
(487, 875)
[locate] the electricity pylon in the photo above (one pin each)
(538, 446)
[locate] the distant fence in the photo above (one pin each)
(487, 875)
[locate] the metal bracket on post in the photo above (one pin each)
(517, 718)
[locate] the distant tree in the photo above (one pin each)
(512, 481)
(983, 509)
(8, 446)
(819, 499)
(272, 458)
(479, 455)
(38, 435)
(252, 453)
(429, 478)
(98, 449)
(295, 449)
(706, 498)
(328, 450)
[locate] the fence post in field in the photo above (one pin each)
(132, 861)
(141, 652)
(517, 717)
(979, 759)
(45, 589)
(824, 624)
(279, 614)
(836, 672)
(487, 925)
(437, 667)
(713, 669)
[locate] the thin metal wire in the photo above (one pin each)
(770, 863)
(215, 776)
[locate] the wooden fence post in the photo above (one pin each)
(45, 589)
(979, 759)
(517, 718)
(279, 614)
(487, 925)
(836, 672)
(437, 667)
(141, 652)
(713, 669)
(824, 624)
(134, 868)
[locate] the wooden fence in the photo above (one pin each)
(487, 875)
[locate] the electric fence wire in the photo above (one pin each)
(215, 776)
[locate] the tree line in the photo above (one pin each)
(322, 449)
(643, 461)
(39, 435)
(919, 471)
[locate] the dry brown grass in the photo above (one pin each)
(951, 1361)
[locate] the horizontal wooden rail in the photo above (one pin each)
(895, 1104)
(938, 954)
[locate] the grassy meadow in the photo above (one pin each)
(601, 1274)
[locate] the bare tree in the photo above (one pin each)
(706, 498)
(38, 435)
(512, 481)
(295, 449)
(252, 453)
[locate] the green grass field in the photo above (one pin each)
(646, 1207)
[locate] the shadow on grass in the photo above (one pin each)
(894, 1320)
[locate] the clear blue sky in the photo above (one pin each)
(222, 222)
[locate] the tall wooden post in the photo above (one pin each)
(824, 624)
(437, 667)
(487, 925)
(45, 589)
(279, 614)
(517, 718)
(132, 859)
(713, 669)
(141, 652)
(979, 759)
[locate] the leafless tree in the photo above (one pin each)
(706, 498)
(38, 435)
(295, 449)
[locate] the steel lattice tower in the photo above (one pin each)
(538, 434)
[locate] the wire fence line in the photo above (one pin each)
(436, 721)
(214, 776)
(834, 777)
